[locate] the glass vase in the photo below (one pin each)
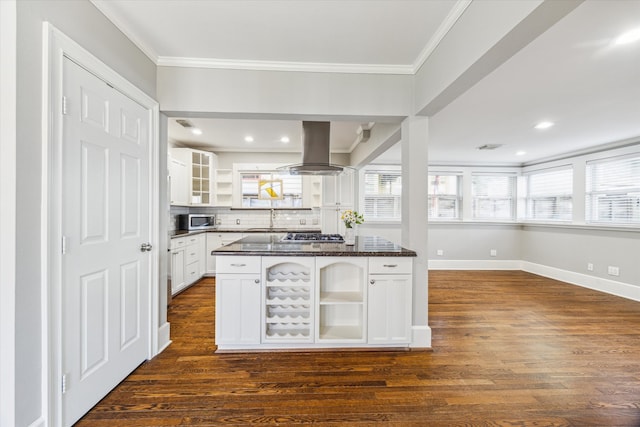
(350, 236)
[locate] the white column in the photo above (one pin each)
(415, 132)
(8, 211)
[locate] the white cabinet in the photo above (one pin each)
(238, 297)
(389, 300)
(341, 296)
(288, 299)
(337, 196)
(187, 261)
(191, 174)
(179, 182)
(178, 275)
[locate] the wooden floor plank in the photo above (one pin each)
(509, 349)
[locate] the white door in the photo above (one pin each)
(105, 220)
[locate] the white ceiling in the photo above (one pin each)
(572, 75)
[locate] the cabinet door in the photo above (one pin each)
(389, 309)
(338, 190)
(202, 254)
(331, 222)
(179, 182)
(238, 309)
(177, 271)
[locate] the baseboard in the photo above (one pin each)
(460, 264)
(420, 336)
(608, 286)
(164, 337)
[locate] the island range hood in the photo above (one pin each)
(315, 152)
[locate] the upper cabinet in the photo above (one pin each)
(191, 176)
(338, 190)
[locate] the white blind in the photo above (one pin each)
(382, 195)
(493, 196)
(291, 188)
(613, 190)
(444, 196)
(549, 194)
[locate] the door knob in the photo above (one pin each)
(145, 247)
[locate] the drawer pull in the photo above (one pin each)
(372, 281)
(390, 265)
(238, 265)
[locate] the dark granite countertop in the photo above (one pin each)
(271, 244)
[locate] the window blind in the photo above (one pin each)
(291, 188)
(549, 194)
(493, 196)
(382, 195)
(613, 190)
(444, 194)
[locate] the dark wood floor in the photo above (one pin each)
(509, 349)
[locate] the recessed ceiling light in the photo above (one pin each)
(285, 139)
(196, 131)
(520, 153)
(248, 139)
(629, 37)
(544, 125)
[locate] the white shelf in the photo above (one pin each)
(341, 297)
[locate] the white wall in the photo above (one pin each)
(84, 23)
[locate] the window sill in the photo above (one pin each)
(569, 225)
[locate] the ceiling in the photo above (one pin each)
(573, 74)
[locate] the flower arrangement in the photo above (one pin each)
(351, 218)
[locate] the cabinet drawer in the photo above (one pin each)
(192, 272)
(238, 264)
(192, 240)
(178, 242)
(191, 254)
(390, 265)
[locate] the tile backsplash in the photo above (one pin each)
(243, 219)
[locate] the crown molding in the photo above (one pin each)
(446, 25)
(105, 9)
(311, 67)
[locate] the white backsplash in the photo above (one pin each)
(243, 219)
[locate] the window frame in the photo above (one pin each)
(456, 198)
(511, 197)
(526, 199)
(379, 169)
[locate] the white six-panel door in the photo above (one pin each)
(105, 212)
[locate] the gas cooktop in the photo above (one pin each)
(313, 237)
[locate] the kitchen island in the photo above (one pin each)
(275, 294)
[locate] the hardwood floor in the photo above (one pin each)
(509, 349)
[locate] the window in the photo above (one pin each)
(291, 190)
(493, 196)
(382, 194)
(549, 194)
(444, 196)
(613, 190)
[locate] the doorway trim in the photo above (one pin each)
(57, 46)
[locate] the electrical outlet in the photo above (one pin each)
(440, 252)
(613, 270)
(237, 221)
(303, 222)
(590, 266)
(494, 252)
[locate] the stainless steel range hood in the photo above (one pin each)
(315, 151)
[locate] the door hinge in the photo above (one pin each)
(64, 105)
(64, 383)
(64, 245)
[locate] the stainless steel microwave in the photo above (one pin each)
(196, 221)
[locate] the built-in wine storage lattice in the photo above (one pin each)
(288, 301)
